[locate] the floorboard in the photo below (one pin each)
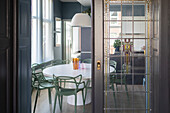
(136, 100)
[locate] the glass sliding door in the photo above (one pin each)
(127, 49)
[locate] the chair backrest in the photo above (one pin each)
(58, 62)
(39, 67)
(67, 82)
(87, 61)
(35, 64)
(113, 63)
(37, 79)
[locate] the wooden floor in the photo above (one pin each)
(122, 100)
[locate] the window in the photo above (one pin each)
(47, 15)
(41, 34)
(57, 32)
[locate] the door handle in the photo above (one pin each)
(98, 65)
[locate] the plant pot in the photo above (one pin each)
(117, 49)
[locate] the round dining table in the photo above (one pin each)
(67, 70)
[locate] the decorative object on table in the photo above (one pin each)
(127, 48)
(75, 63)
(144, 49)
(117, 44)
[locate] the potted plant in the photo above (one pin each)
(117, 44)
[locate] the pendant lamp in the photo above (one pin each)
(81, 20)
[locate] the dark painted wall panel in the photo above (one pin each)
(24, 58)
(6, 49)
(3, 79)
(23, 78)
(24, 20)
(3, 18)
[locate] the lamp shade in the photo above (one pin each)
(81, 20)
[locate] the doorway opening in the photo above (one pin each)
(60, 52)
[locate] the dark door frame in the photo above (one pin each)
(97, 55)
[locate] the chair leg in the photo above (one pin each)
(55, 102)
(83, 100)
(36, 101)
(49, 95)
(126, 90)
(114, 96)
(60, 101)
(116, 87)
(85, 93)
(75, 103)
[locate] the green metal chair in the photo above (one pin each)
(113, 64)
(35, 64)
(40, 83)
(118, 79)
(58, 62)
(62, 86)
(88, 86)
(87, 61)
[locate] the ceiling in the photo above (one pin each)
(68, 0)
(82, 2)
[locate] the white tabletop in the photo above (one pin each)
(67, 70)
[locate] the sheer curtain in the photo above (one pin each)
(42, 31)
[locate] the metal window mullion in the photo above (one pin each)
(150, 58)
(108, 65)
(41, 32)
(36, 28)
(133, 55)
(47, 20)
(121, 52)
(121, 109)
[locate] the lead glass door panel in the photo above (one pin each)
(127, 49)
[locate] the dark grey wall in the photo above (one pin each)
(86, 43)
(69, 9)
(57, 8)
(66, 10)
